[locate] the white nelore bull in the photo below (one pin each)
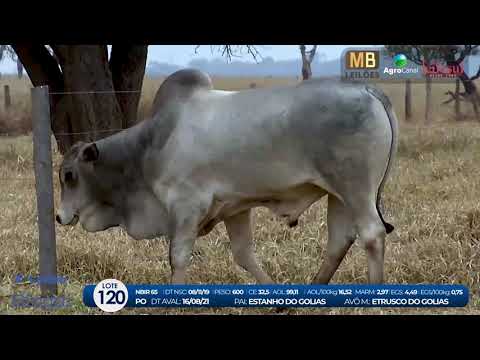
(208, 156)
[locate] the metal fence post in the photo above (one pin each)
(42, 154)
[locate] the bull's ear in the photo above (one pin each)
(89, 153)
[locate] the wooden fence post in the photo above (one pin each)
(408, 100)
(457, 100)
(8, 100)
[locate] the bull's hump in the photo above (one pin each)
(181, 85)
(189, 78)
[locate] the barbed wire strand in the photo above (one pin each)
(87, 132)
(68, 133)
(16, 179)
(93, 92)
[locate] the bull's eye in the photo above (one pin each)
(68, 177)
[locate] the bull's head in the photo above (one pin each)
(83, 198)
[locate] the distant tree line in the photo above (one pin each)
(263, 68)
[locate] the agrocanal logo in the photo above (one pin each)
(400, 61)
(400, 66)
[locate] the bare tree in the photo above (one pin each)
(75, 75)
(307, 58)
(454, 55)
(92, 95)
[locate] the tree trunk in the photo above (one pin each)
(307, 61)
(89, 109)
(428, 100)
(472, 93)
(42, 69)
(475, 101)
(306, 70)
(458, 115)
(127, 64)
(408, 100)
(93, 107)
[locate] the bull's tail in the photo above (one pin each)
(393, 147)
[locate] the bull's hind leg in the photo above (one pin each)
(341, 235)
(239, 228)
(372, 235)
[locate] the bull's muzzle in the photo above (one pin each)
(61, 221)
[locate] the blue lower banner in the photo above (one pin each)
(112, 294)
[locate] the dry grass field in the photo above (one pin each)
(431, 198)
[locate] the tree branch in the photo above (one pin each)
(416, 56)
(59, 53)
(40, 66)
(312, 53)
(252, 50)
(453, 97)
(302, 51)
(127, 65)
(230, 51)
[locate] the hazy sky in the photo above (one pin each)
(182, 54)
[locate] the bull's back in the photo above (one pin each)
(282, 119)
(278, 137)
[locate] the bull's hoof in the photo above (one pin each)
(293, 223)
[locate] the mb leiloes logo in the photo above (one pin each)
(361, 64)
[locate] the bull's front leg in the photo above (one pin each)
(183, 233)
(181, 246)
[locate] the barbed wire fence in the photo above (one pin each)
(57, 134)
(43, 179)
